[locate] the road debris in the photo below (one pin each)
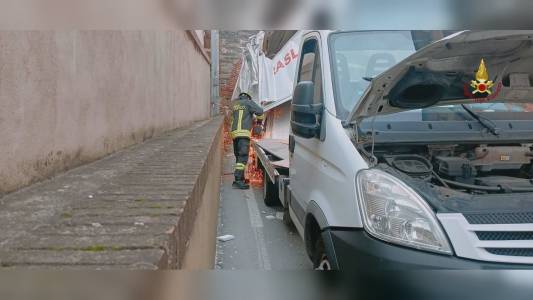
(270, 217)
(225, 238)
(96, 225)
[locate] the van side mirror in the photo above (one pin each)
(306, 116)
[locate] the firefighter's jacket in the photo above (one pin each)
(242, 117)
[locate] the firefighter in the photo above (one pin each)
(243, 111)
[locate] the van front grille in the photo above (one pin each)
(504, 235)
(496, 237)
(511, 251)
(499, 218)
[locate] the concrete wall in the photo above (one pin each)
(67, 98)
(201, 248)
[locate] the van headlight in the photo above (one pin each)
(393, 212)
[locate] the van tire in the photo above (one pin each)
(270, 192)
(320, 257)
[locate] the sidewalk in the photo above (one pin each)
(134, 209)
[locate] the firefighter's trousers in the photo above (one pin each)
(240, 149)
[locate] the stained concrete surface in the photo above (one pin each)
(134, 209)
(262, 241)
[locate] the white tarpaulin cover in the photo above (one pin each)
(270, 82)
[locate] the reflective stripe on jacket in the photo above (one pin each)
(242, 117)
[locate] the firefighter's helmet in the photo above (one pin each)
(245, 96)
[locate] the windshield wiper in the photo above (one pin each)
(487, 123)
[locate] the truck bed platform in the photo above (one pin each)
(276, 147)
(273, 155)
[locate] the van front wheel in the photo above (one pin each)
(320, 258)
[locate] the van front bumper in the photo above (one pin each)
(357, 250)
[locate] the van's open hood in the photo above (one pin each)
(442, 73)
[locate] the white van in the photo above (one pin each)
(400, 158)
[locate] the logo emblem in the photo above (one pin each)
(480, 90)
(482, 84)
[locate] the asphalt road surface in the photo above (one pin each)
(262, 241)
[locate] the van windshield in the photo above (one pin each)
(359, 56)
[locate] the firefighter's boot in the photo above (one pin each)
(241, 185)
(239, 182)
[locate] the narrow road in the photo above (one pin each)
(262, 241)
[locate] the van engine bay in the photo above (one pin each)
(474, 169)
